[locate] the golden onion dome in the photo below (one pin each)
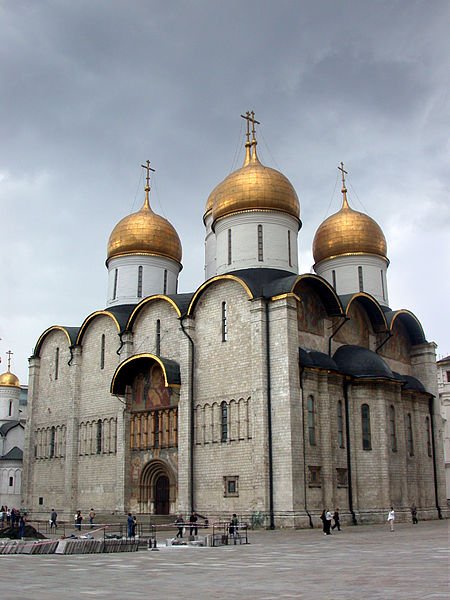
(144, 232)
(9, 379)
(348, 232)
(254, 187)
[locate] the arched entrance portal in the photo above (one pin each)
(157, 489)
(162, 495)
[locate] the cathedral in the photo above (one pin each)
(264, 391)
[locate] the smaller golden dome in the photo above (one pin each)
(253, 187)
(348, 232)
(9, 379)
(144, 232)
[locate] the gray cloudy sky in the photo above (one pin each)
(90, 89)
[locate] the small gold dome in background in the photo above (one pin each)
(144, 232)
(348, 232)
(253, 187)
(9, 379)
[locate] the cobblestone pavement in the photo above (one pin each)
(364, 562)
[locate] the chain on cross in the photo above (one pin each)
(148, 168)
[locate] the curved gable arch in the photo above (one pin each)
(129, 367)
(323, 289)
(411, 324)
(371, 307)
(144, 303)
(204, 286)
(69, 332)
(88, 320)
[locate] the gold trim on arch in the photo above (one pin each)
(286, 295)
(213, 280)
(149, 299)
(404, 311)
(47, 331)
(373, 301)
(139, 356)
(92, 316)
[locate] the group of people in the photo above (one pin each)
(326, 518)
(9, 517)
(192, 524)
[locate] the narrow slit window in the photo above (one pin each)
(158, 337)
(10, 408)
(139, 282)
(116, 276)
(229, 246)
(409, 435)
(224, 322)
(360, 278)
(365, 427)
(260, 243)
(99, 437)
(340, 425)
(165, 282)
(382, 285)
(289, 248)
(392, 429)
(223, 422)
(333, 275)
(52, 442)
(311, 421)
(102, 352)
(57, 363)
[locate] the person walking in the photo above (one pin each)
(391, 518)
(91, 518)
(78, 520)
(53, 517)
(193, 530)
(328, 519)
(130, 525)
(22, 523)
(180, 524)
(324, 521)
(336, 519)
(415, 520)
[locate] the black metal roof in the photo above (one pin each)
(410, 383)
(320, 360)
(362, 362)
(14, 454)
(8, 426)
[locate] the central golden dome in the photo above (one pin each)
(144, 232)
(348, 232)
(9, 379)
(253, 187)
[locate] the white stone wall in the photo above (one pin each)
(244, 241)
(9, 403)
(153, 268)
(347, 275)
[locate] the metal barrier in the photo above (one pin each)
(225, 534)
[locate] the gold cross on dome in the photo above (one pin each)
(9, 353)
(250, 118)
(148, 168)
(344, 172)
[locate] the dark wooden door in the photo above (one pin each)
(162, 495)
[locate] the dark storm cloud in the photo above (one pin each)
(91, 89)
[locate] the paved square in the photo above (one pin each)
(364, 562)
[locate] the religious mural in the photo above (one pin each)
(356, 330)
(310, 313)
(149, 391)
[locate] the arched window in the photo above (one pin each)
(158, 337)
(365, 427)
(139, 282)
(429, 445)
(224, 322)
(102, 352)
(392, 429)
(340, 425)
(311, 421)
(56, 363)
(260, 243)
(409, 435)
(223, 422)
(99, 439)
